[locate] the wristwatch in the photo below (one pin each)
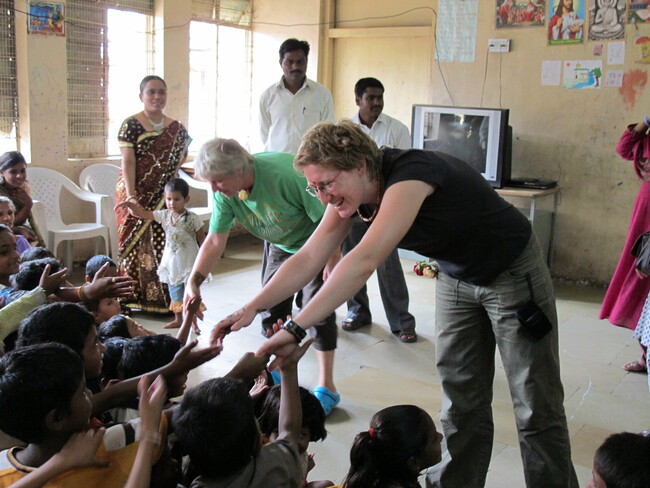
(294, 329)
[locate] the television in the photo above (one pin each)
(479, 136)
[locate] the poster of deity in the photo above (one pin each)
(526, 13)
(606, 20)
(566, 22)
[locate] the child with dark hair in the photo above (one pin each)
(44, 402)
(215, 424)
(121, 326)
(622, 462)
(402, 441)
(313, 426)
(183, 235)
(7, 214)
(30, 272)
(72, 325)
(95, 263)
(142, 355)
(111, 359)
(103, 308)
(36, 253)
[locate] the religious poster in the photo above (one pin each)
(521, 13)
(583, 74)
(638, 11)
(566, 23)
(606, 20)
(46, 18)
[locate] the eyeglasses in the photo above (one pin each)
(314, 190)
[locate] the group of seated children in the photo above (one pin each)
(85, 390)
(66, 437)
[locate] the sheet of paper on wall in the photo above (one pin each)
(551, 72)
(456, 31)
(614, 77)
(584, 74)
(616, 52)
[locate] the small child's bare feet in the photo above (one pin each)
(174, 324)
(195, 328)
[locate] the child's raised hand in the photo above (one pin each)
(153, 396)
(291, 361)
(260, 385)
(81, 450)
(52, 282)
(107, 286)
(187, 358)
(249, 367)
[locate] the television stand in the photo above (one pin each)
(529, 201)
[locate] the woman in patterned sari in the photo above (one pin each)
(153, 147)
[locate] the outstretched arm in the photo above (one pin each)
(294, 274)
(399, 207)
(211, 250)
(136, 209)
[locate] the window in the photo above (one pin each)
(97, 32)
(8, 84)
(220, 83)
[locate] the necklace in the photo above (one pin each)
(175, 221)
(374, 213)
(157, 127)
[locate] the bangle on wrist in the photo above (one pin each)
(646, 121)
(81, 294)
(132, 197)
(294, 329)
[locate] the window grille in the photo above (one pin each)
(8, 83)
(87, 59)
(236, 12)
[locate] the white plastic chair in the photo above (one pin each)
(102, 178)
(46, 185)
(204, 213)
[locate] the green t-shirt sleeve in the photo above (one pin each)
(222, 218)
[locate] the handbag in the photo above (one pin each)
(641, 251)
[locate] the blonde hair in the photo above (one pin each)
(341, 145)
(222, 157)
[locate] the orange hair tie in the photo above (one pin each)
(371, 433)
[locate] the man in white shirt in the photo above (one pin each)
(288, 109)
(295, 103)
(385, 131)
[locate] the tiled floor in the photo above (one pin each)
(373, 369)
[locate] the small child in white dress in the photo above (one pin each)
(183, 235)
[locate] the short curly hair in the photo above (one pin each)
(341, 145)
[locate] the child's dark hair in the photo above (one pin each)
(313, 415)
(30, 272)
(4, 228)
(178, 185)
(35, 380)
(380, 456)
(215, 425)
(111, 358)
(622, 461)
(116, 326)
(63, 322)
(95, 263)
(34, 253)
(146, 353)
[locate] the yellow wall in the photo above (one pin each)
(559, 134)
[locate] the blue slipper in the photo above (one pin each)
(275, 375)
(327, 398)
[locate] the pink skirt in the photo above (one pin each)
(627, 293)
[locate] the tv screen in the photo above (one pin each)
(479, 136)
